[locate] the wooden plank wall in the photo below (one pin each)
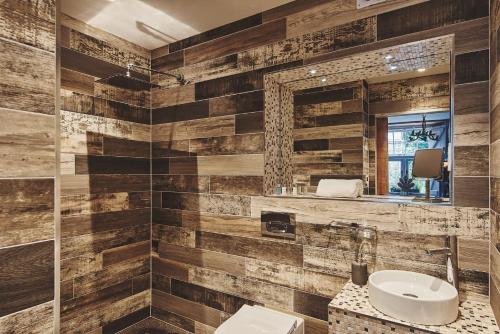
(27, 166)
(328, 133)
(495, 159)
(105, 185)
(208, 255)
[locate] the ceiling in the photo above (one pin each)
(154, 23)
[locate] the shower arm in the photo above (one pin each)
(179, 77)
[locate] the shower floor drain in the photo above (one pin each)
(410, 295)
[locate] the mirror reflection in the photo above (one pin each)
(355, 128)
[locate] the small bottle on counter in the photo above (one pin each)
(283, 191)
(294, 190)
(278, 190)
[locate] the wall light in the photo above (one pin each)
(389, 57)
(393, 67)
(313, 71)
(421, 70)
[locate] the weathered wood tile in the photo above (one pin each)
(161, 97)
(169, 61)
(179, 321)
(101, 49)
(471, 129)
(174, 235)
(111, 275)
(248, 288)
(218, 204)
(227, 224)
(26, 210)
(125, 253)
(472, 67)
(100, 222)
(77, 124)
(224, 30)
(238, 185)
(471, 161)
(77, 82)
(89, 322)
(28, 80)
(198, 128)
(252, 37)
(273, 251)
(31, 23)
(171, 269)
(464, 186)
(37, 320)
(125, 148)
(91, 184)
(28, 144)
(180, 183)
(85, 204)
(249, 122)
(140, 98)
(240, 144)
(181, 112)
(221, 301)
(471, 98)
(28, 272)
(312, 305)
(428, 15)
(231, 264)
(95, 164)
(119, 324)
(290, 8)
(99, 34)
(186, 308)
(175, 148)
(243, 164)
(237, 104)
(334, 132)
(275, 273)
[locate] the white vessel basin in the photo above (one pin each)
(413, 297)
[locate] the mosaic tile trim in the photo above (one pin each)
(351, 312)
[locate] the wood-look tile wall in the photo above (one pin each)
(328, 133)
(208, 159)
(495, 159)
(105, 185)
(27, 165)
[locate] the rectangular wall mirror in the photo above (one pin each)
(362, 117)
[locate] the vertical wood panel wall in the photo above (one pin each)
(208, 158)
(27, 165)
(105, 186)
(495, 160)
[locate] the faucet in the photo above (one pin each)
(451, 251)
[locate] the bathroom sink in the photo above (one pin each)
(413, 297)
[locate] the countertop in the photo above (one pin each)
(474, 317)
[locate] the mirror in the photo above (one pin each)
(358, 121)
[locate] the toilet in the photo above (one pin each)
(261, 320)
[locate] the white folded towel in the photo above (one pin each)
(340, 188)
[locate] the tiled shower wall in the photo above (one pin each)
(208, 156)
(495, 160)
(105, 184)
(27, 165)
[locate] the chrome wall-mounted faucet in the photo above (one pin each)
(451, 251)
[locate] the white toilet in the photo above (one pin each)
(261, 320)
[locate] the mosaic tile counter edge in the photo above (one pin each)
(351, 312)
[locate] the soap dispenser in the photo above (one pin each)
(359, 267)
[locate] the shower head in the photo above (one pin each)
(128, 81)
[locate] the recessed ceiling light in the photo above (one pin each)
(323, 79)
(421, 70)
(393, 67)
(389, 57)
(313, 71)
